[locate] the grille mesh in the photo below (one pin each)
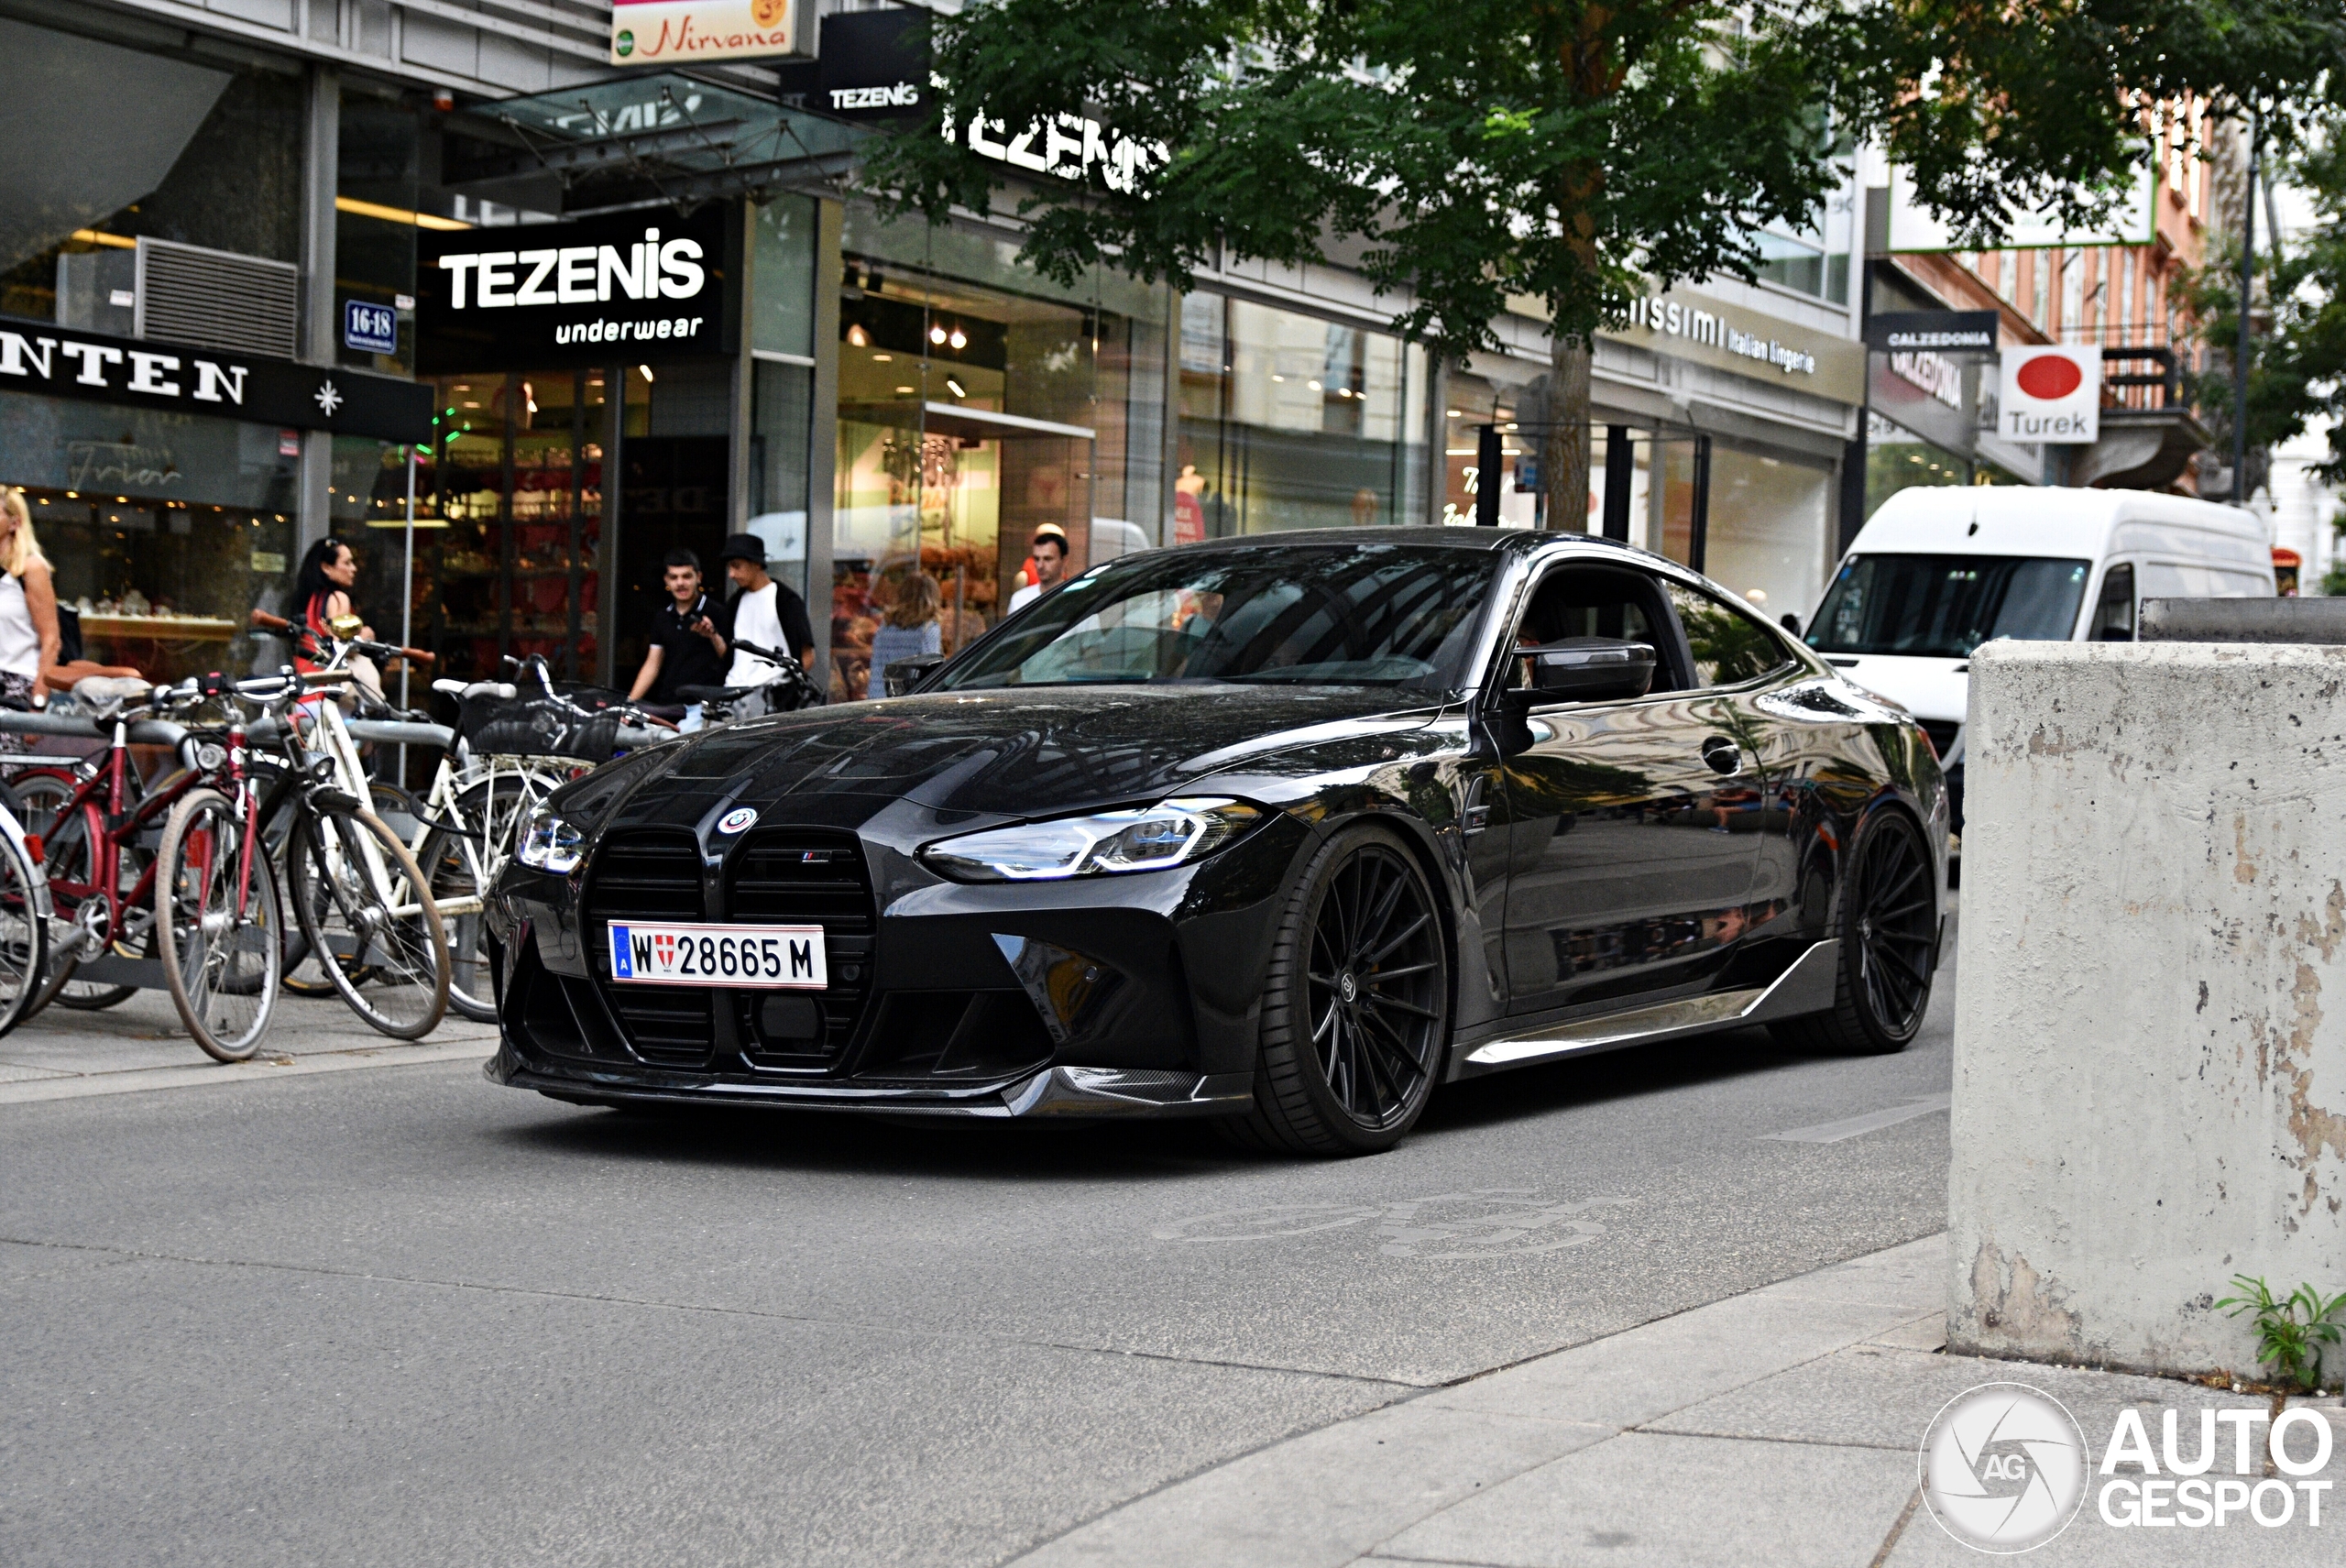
(800, 876)
(650, 876)
(216, 299)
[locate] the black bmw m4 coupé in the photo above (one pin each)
(1286, 831)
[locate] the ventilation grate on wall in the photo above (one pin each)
(217, 299)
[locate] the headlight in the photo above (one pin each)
(1148, 839)
(549, 844)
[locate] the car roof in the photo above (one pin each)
(1514, 540)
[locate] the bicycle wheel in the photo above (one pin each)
(463, 869)
(71, 867)
(363, 904)
(24, 935)
(219, 925)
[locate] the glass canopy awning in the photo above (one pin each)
(667, 137)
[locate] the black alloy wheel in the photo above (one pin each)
(1888, 927)
(1356, 1004)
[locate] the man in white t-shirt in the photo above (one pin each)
(1049, 550)
(764, 612)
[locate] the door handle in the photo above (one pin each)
(1724, 755)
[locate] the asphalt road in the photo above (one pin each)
(400, 1316)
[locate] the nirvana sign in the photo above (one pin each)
(645, 287)
(37, 356)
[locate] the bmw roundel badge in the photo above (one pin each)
(740, 816)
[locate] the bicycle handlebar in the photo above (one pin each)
(264, 621)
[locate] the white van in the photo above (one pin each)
(1937, 571)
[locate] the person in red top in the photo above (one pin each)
(321, 593)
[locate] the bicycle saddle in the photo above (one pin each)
(104, 696)
(715, 693)
(674, 714)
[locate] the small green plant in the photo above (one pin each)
(2290, 1331)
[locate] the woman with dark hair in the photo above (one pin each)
(321, 592)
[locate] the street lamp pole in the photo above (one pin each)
(2240, 354)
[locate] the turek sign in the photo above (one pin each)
(2052, 396)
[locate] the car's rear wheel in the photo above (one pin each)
(1887, 924)
(1356, 1006)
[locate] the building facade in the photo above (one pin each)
(637, 310)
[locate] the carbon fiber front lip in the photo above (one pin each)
(1053, 1092)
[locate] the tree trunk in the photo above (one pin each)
(1564, 454)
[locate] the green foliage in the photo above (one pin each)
(1463, 151)
(2297, 371)
(2037, 105)
(2290, 1331)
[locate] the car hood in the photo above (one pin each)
(1013, 752)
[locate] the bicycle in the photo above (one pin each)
(362, 905)
(102, 886)
(470, 819)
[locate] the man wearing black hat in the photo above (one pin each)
(764, 612)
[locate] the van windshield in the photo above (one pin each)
(1945, 605)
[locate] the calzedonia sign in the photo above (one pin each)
(145, 373)
(638, 288)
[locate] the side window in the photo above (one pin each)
(1581, 601)
(2114, 613)
(1731, 644)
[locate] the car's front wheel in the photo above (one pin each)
(1356, 1003)
(1887, 924)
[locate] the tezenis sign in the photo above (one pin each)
(642, 288)
(38, 356)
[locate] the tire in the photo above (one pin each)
(222, 936)
(1888, 924)
(24, 936)
(66, 859)
(493, 807)
(389, 965)
(1342, 1074)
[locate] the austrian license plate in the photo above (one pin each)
(786, 958)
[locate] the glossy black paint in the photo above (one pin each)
(1589, 857)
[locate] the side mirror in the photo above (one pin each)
(1789, 622)
(1588, 669)
(903, 675)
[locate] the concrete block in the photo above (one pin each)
(2149, 1046)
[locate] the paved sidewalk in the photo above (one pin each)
(1777, 1427)
(63, 1055)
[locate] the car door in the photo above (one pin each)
(1739, 658)
(1626, 869)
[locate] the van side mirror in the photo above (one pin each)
(1789, 622)
(1588, 669)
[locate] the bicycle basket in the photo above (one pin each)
(539, 729)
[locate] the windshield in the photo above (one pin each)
(1383, 615)
(1945, 605)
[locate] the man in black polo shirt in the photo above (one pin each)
(688, 637)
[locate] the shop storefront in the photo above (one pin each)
(978, 402)
(167, 519)
(1716, 433)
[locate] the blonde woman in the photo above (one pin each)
(908, 629)
(29, 641)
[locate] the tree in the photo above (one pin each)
(2296, 372)
(1575, 151)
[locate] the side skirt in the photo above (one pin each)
(1807, 986)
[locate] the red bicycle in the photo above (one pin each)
(216, 928)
